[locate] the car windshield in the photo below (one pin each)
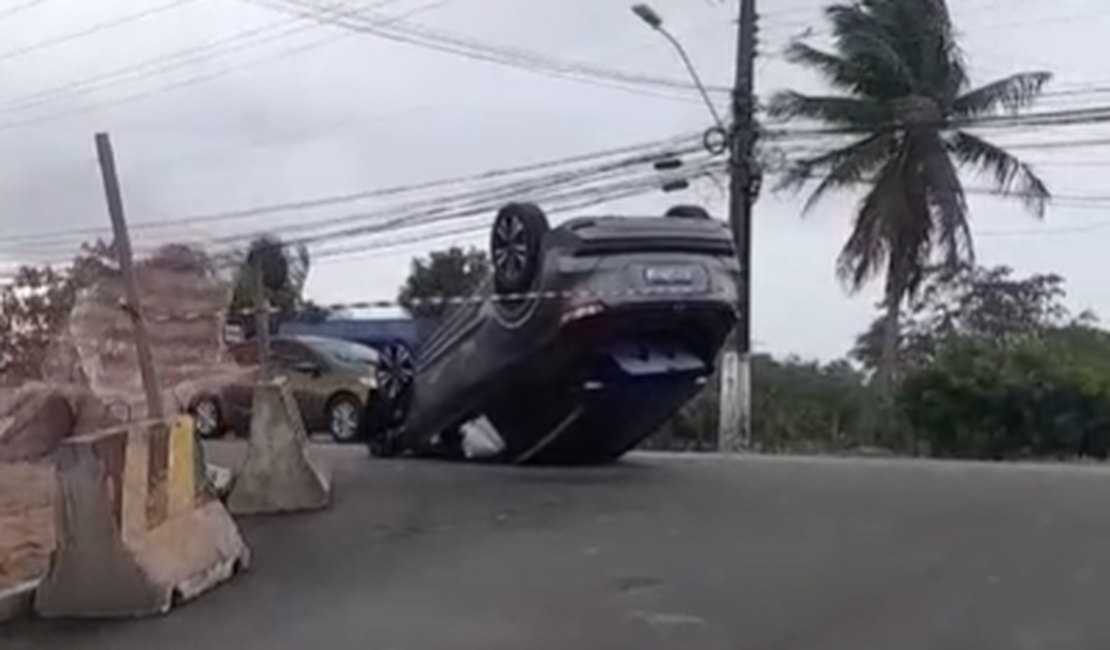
(345, 351)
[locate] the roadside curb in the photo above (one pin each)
(16, 602)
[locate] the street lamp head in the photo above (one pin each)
(648, 15)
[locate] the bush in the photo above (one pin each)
(1045, 396)
(796, 406)
(807, 406)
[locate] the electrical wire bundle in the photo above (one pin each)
(560, 185)
(444, 206)
(367, 21)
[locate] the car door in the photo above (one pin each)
(294, 360)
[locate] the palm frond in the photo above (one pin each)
(951, 72)
(837, 71)
(910, 225)
(868, 247)
(1011, 176)
(840, 168)
(922, 33)
(1010, 94)
(860, 113)
(874, 51)
(864, 253)
(950, 211)
(891, 232)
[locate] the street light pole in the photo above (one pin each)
(655, 21)
(734, 429)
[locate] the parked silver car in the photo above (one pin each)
(331, 380)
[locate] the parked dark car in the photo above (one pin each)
(587, 337)
(330, 380)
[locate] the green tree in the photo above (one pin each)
(1005, 370)
(280, 271)
(451, 273)
(35, 306)
(1046, 396)
(903, 100)
(975, 302)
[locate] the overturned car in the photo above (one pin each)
(587, 337)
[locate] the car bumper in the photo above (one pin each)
(617, 376)
(699, 326)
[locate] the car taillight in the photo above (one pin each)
(582, 311)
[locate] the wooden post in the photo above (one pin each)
(133, 307)
(261, 319)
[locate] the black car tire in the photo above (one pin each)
(396, 369)
(385, 416)
(687, 212)
(345, 403)
(516, 246)
(208, 417)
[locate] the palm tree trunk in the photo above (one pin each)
(892, 324)
(888, 365)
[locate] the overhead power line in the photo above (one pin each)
(469, 202)
(601, 178)
(192, 81)
(552, 205)
(368, 22)
(20, 8)
(1064, 117)
(160, 65)
(320, 15)
(94, 29)
(557, 196)
(628, 154)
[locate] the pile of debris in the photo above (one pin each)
(182, 300)
(38, 416)
(91, 374)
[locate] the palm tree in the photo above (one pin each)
(903, 98)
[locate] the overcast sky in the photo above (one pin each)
(323, 111)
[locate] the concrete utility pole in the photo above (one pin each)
(735, 431)
(127, 270)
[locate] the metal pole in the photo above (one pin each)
(735, 424)
(127, 270)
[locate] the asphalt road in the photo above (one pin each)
(662, 552)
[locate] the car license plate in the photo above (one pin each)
(670, 276)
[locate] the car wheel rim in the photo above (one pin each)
(344, 421)
(395, 369)
(510, 247)
(207, 418)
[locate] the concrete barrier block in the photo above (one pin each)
(18, 601)
(278, 475)
(135, 531)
